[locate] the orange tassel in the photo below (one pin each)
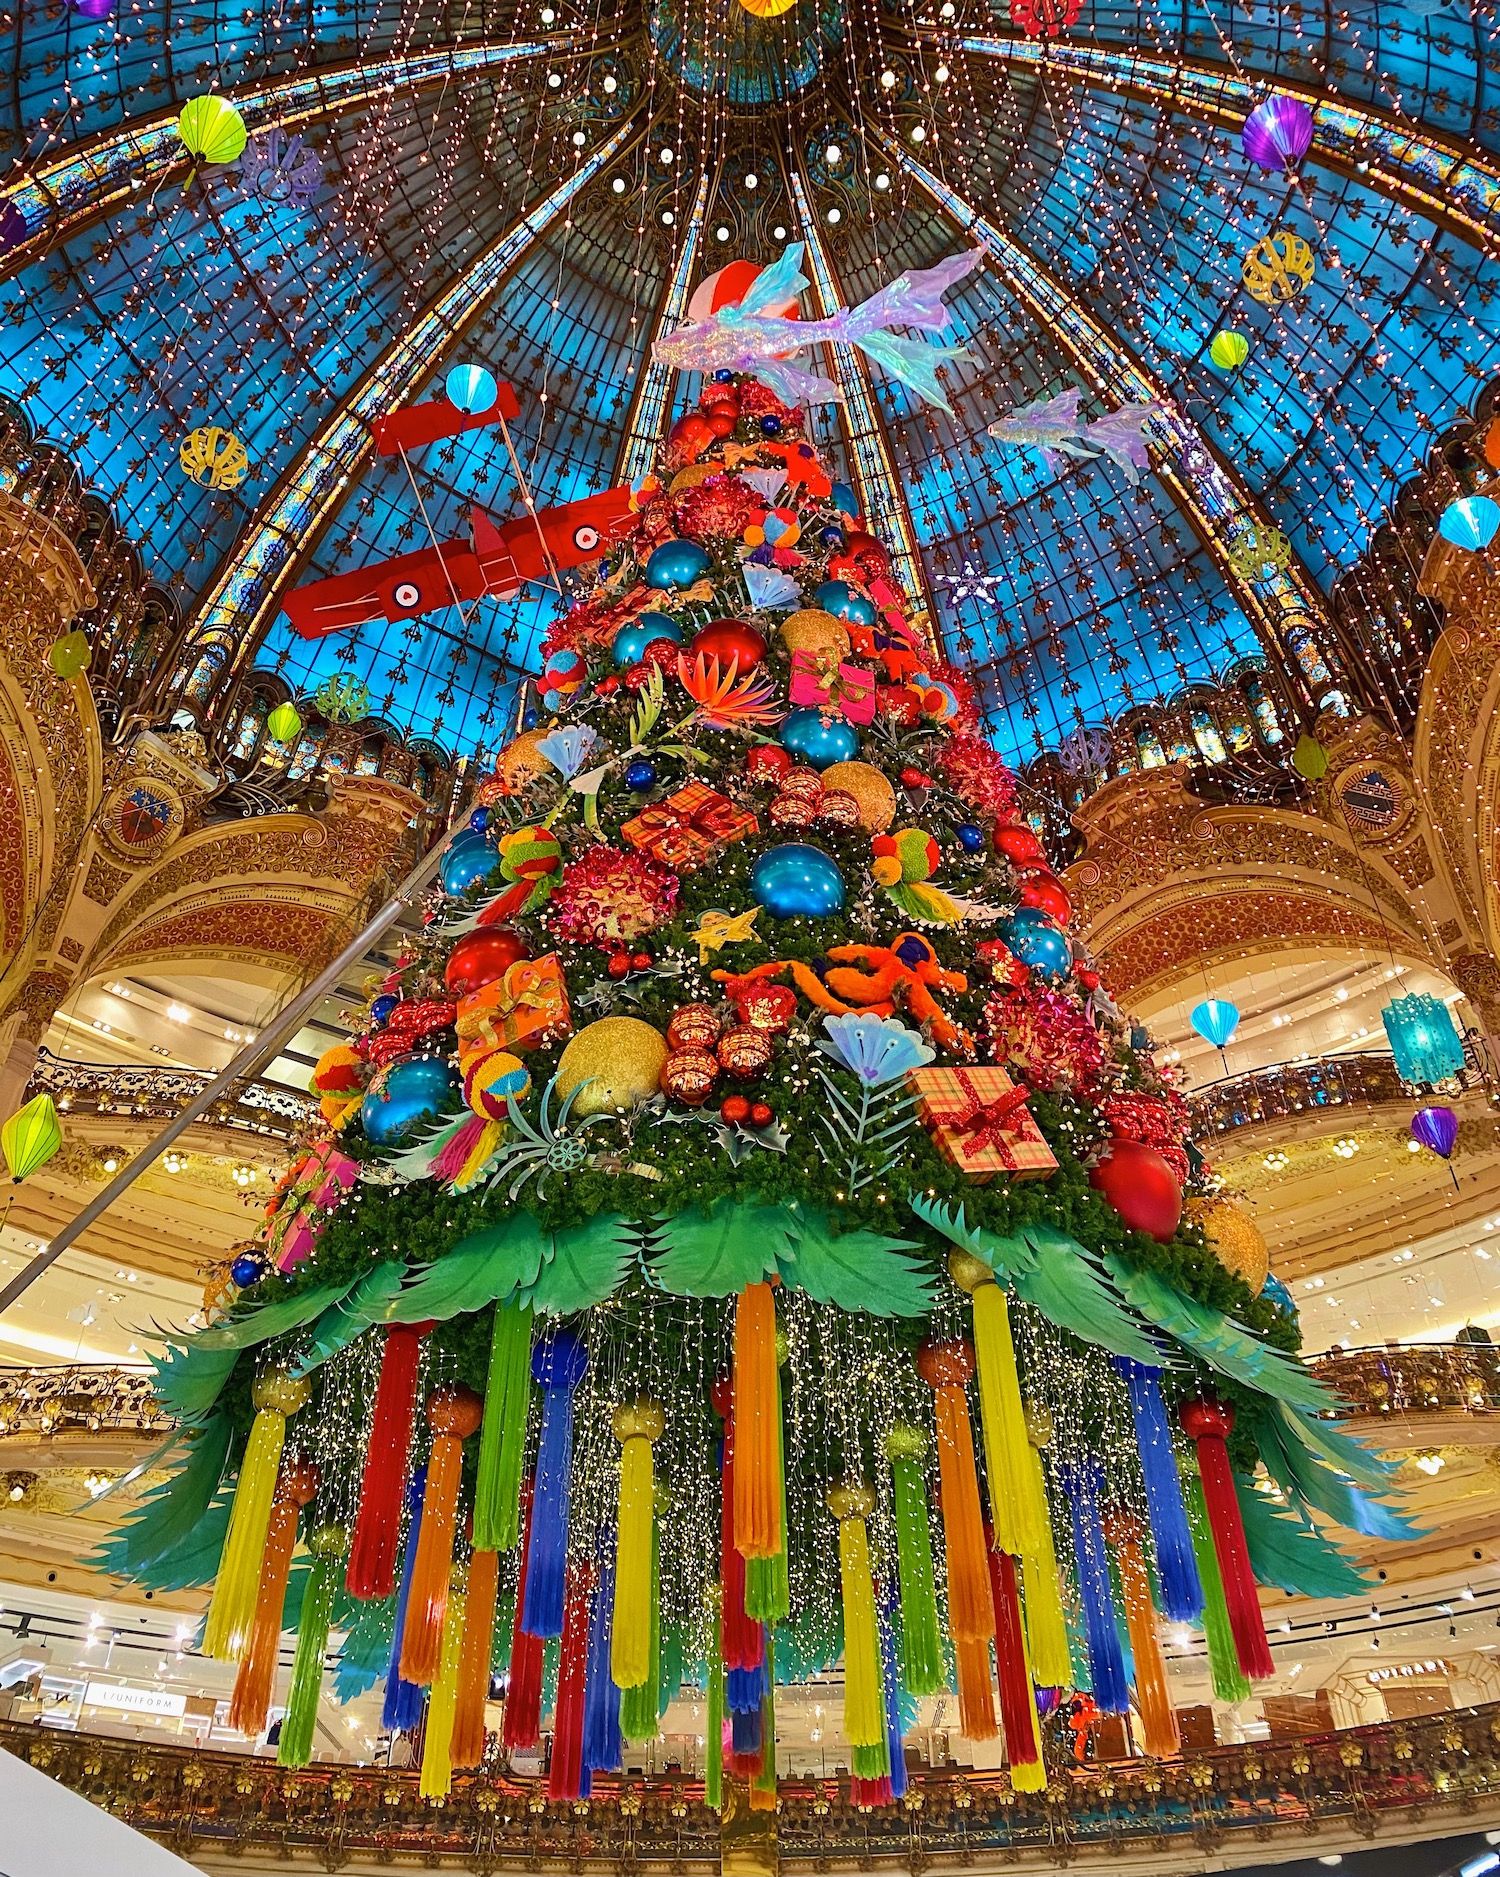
(757, 1426)
(250, 1704)
(946, 1368)
(454, 1414)
(467, 1745)
(1159, 1733)
(976, 1691)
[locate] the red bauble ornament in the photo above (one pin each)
(641, 961)
(871, 558)
(689, 1076)
(690, 437)
(694, 1026)
(1047, 894)
(768, 762)
(734, 1110)
(619, 965)
(1141, 1187)
(744, 1052)
(721, 421)
(762, 1114)
(768, 1007)
(731, 641)
(480, 957)
(1019, 845)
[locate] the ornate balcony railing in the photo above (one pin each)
(1292, 1089)
(133, 1094)
(80, 1399)
(1422, 1378)
(1433, 1769)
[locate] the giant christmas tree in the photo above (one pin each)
(746, 1235)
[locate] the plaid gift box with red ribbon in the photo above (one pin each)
(979, 1120)
(524, 1008)
(688, 827)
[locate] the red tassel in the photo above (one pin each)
(372, 1555)
(565, 1774)
(1209, 1424)
(744, 1640)
(1017, 1703)
(523, 1700)
(870, 1793)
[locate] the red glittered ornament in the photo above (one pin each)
(734, 1110)
(694, 1026)
(732, 642)
(720, 420)
(744, 1052)
(1141, 1187)
(768, 762)
(1019, 845)
(689, 437)
(768, 1007)
(1047, 894)
(480, 957)
(871, 557)
(689, 1075)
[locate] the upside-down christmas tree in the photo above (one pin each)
(746, 1237)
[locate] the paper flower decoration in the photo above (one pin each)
(724, 698)
(876, 1049)
(567, 748)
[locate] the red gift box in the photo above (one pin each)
(688, 827)
(978, 1120)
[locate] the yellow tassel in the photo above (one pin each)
(442, 1702)
(636, 1427)
(1153, 1697)
(478, 1156)
(1041, 1586)
(864, 1693)
(757, 1425)
(1017, 1513)
(226, 1632)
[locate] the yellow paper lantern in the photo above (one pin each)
(768, 9)
(1234, 1238)
(214, 458)
(1259, 553)
(70, 654)
(212, 130)
(614, 1062)
(870, 789)
(1278, 268)
(31, 1136)
(1229, 349)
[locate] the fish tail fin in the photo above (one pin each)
(913, 299)
(912, 362)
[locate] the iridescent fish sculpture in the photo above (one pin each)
(1054, 427)
(751, 337)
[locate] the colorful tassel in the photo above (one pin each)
(1041, 1583)
(250, 1704)
(436, 1776)
(1209, 1424)
(1083, 1482)
(641, 1706)
(502, 1434)
(226, 1633)
(477, 1644)
(757, 1420)
(403, 1699)
(768, 1584)
(522, 1729)
(1172, 1542)
(328, 1544)
(946, 1368)
(377, 1525)
(1018, 1715)
(557, 1366)
(864, 1700)
(976, 1691)
(891, 1678)
(603, 1746)
(713, 1725)
(567, 1776)
(743, 1638)
(1018, 1514)
(636, 1427)
(1230, 1683)
(453, 1413)
(921, 1651)
(1159, 1733)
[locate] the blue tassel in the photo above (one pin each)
(744, 1688)
(603, 1746)
(557, 1366)
(1083, 1481)
(403, 1699)
(745, 1731)
(1181, 1588)
(892, 1700)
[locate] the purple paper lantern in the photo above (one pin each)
(1437, 1128)
(13, 229)
(93, 9)
(1278, 133)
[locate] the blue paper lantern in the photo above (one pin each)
(628, 647)
(248, 1268)
(466, 863)
(1037, 943)
(1423, 1040)
(819, 740)
(471, 388)
(676, 564)
(796, 879)
(1471, 522)
(840, 599)
(844, 499)
(1215, 1020)
(411, 1091)
(1279, 1297)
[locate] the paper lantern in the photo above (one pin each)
(31, 1136)
(471, 388)
(69, 655)
(212, 130)
(1423, 1040)
(1436, 1127)
(213, 458)
(284, 723)
(1229, 350)
(1470, 522)
(1215, 1020)
(1278, 133)
(1277, 268)
(1309, 758)
(1259, 553)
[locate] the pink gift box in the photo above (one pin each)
(849, 690)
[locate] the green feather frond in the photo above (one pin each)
(168, 1511)
(352, 1315)
(276, 1317)
(1292, 1555)
(1070, 1288)
(188, 1379)
(587, 1263)
(860, 1271)
(718, 1252)
(494, 1262)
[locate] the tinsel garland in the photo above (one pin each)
(632, 1584)
(453, 1413)
(713, 1725)
(641, 1706)
(1046, 1625)
(250, 1702)
(231, 1609)
(864, 1705)
(1018, 1715)
(1208, 1423)
(757, 1423)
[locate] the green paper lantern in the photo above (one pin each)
(1229, 349)
(284, 723)
(212, 130)
(1310, 759)
(69, 655)
(31, 1136)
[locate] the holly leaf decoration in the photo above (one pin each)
(588, 1263)
(489, 1264)
(860, 1271)
(716, 1254)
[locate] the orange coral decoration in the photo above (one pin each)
(725, 700)
(907, 973)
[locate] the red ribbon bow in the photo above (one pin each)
(985, 1123)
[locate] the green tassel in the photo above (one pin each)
(765, 1778)
(502, 1436)
(922, 1669)
(871, 1762)
(640, 1712)
(669, 1682)
(301, 1718)
(768, 1589)
(551, 1654)
(1229, 1680)
(713, 1744)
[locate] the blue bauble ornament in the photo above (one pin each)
(1279, 1297)
(970, 837)
(844, 499)
(817, 739)
(1029, 915)
(832, 538)
(410, 1091)
(466, 863)
(1039, 946)
(797, 879)
(628, 647)
(249, 1268)
(382, 1006)
(840, 599)
(723, 376)
(770, 425)
(676, 564)
(640, 774)
(479, 820)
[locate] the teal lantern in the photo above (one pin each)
(1423, 1039)
(471, 388)
(1471, 522)
(1215, 1020)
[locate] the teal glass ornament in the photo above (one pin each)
(844, 500)
(796, 879)
(676, 564)
(820, 741)
(411, 1091)
(1423, 1040)
(1278, 1296)
(840, 599)
(1215, 1020)
(628, 647)
(1037, 943)
(466, 863)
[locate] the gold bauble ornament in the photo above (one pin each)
(614, 1062)
(521, 762)
(690, 477)
(870, 788)
(812, 630)
(1235, 1240)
